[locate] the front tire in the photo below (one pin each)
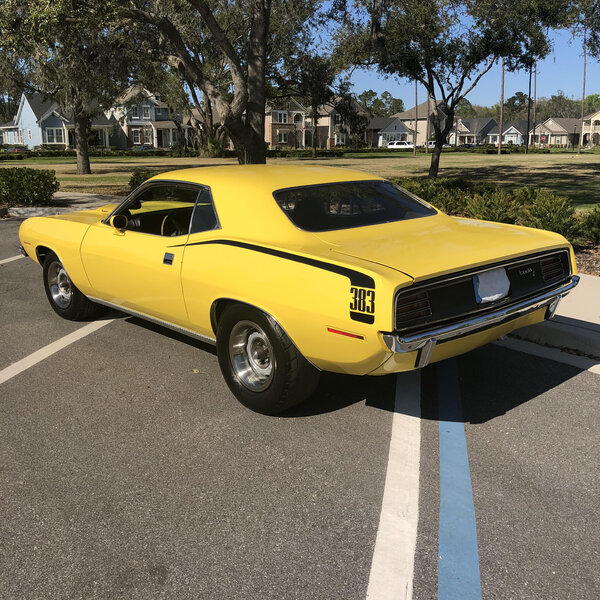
(261, 365)
(64, 297)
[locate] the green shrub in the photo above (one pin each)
(590, 226)
(551, 212)
(497, 205)
(138, 177)
(448, 194)
(20, 185)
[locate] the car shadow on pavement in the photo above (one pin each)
(493, 381)
(336, 392)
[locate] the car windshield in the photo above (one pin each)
(332, 206)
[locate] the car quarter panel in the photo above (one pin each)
(309, 294)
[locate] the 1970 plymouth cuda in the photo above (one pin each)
(294, 270)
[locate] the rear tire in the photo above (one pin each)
(261, 365)
(64, 297)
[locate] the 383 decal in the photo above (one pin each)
(362, 304)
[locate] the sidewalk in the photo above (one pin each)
(63, 202)
(576, 323)
(574, 328)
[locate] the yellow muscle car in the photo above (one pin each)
(295, 270)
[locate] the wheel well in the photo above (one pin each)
(216, 310)
(41, 252)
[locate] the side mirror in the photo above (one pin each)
(119, 222)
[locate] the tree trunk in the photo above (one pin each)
(315, 120)
(81, 144)
(440, 140)
(249, 146)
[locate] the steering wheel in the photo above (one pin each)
(170, 225)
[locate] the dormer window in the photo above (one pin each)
(146, 112)
(134, 113)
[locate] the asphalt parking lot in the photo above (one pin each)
(128, 470)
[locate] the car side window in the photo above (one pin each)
(162, 210)
(205, 216)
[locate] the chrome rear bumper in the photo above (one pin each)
(425, 341)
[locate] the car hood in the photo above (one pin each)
(439, 244)
(87, 216)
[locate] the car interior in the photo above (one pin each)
(169, 210)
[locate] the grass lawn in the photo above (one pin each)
(568, 174)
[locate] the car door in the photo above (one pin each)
(136, 264)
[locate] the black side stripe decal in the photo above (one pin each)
(356, 278)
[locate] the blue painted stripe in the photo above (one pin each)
(458, 557)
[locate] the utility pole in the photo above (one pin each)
(415, 135)
(501, 125)
(427, 124)
(583, 93)
(534, 99)
(528, 112)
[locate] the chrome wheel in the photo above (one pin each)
(251, 356)
(59, 285)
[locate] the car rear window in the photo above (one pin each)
(332, 206)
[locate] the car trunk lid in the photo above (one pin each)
(434, 246)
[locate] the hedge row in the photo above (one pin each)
(527, 206)
(20, 185)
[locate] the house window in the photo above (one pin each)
(136, 136)
(146, 112)
(135, 114)
(148, 136)
(281, 116)
(54, 135)
(29, 134)
(337, 119)
(282, 137)
(340, 139)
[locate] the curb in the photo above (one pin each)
(565, 334)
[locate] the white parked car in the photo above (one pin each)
(400, 145)
(431, 145)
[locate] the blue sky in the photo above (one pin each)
(561, 70)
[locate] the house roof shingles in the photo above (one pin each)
(422, 111)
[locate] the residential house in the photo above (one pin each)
(144, 120)
(382, 130)
(40, 122)
(332, 129)
(555, 131)
(473, 131)
(514, 134)
(286, 125)
(419, 119)
(591, 129)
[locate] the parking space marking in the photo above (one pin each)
(7, 260)
(581, 362)
(38, 356)
(393, 558)
(458, 554)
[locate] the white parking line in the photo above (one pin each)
(31, 360)
(7, 260)
(581, 362)
(394, 555)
